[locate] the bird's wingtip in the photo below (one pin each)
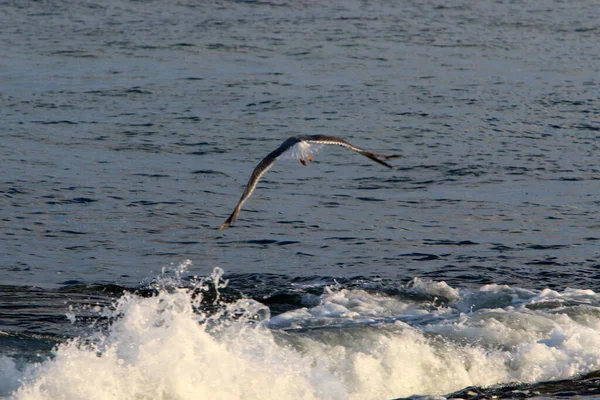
(392, 156)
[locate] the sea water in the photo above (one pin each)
(129, 130)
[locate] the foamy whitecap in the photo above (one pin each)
(353, 345)
(434, 288)
(159, 350)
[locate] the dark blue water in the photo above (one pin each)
(129, 130)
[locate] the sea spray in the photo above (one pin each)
(186, 341)
(157, 347)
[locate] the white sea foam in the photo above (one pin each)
(368, 346)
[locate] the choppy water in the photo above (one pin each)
(129, 130)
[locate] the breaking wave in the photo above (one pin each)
(347, 343)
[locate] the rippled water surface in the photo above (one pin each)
(130, 128)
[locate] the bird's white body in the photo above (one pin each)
(302, 151)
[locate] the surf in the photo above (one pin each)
(350, 342)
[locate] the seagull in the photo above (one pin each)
(297, 147)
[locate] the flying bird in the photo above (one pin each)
(302, 148)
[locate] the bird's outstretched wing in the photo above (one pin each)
(288, 144)
(324, 139)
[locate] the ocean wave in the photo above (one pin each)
(423, 338)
